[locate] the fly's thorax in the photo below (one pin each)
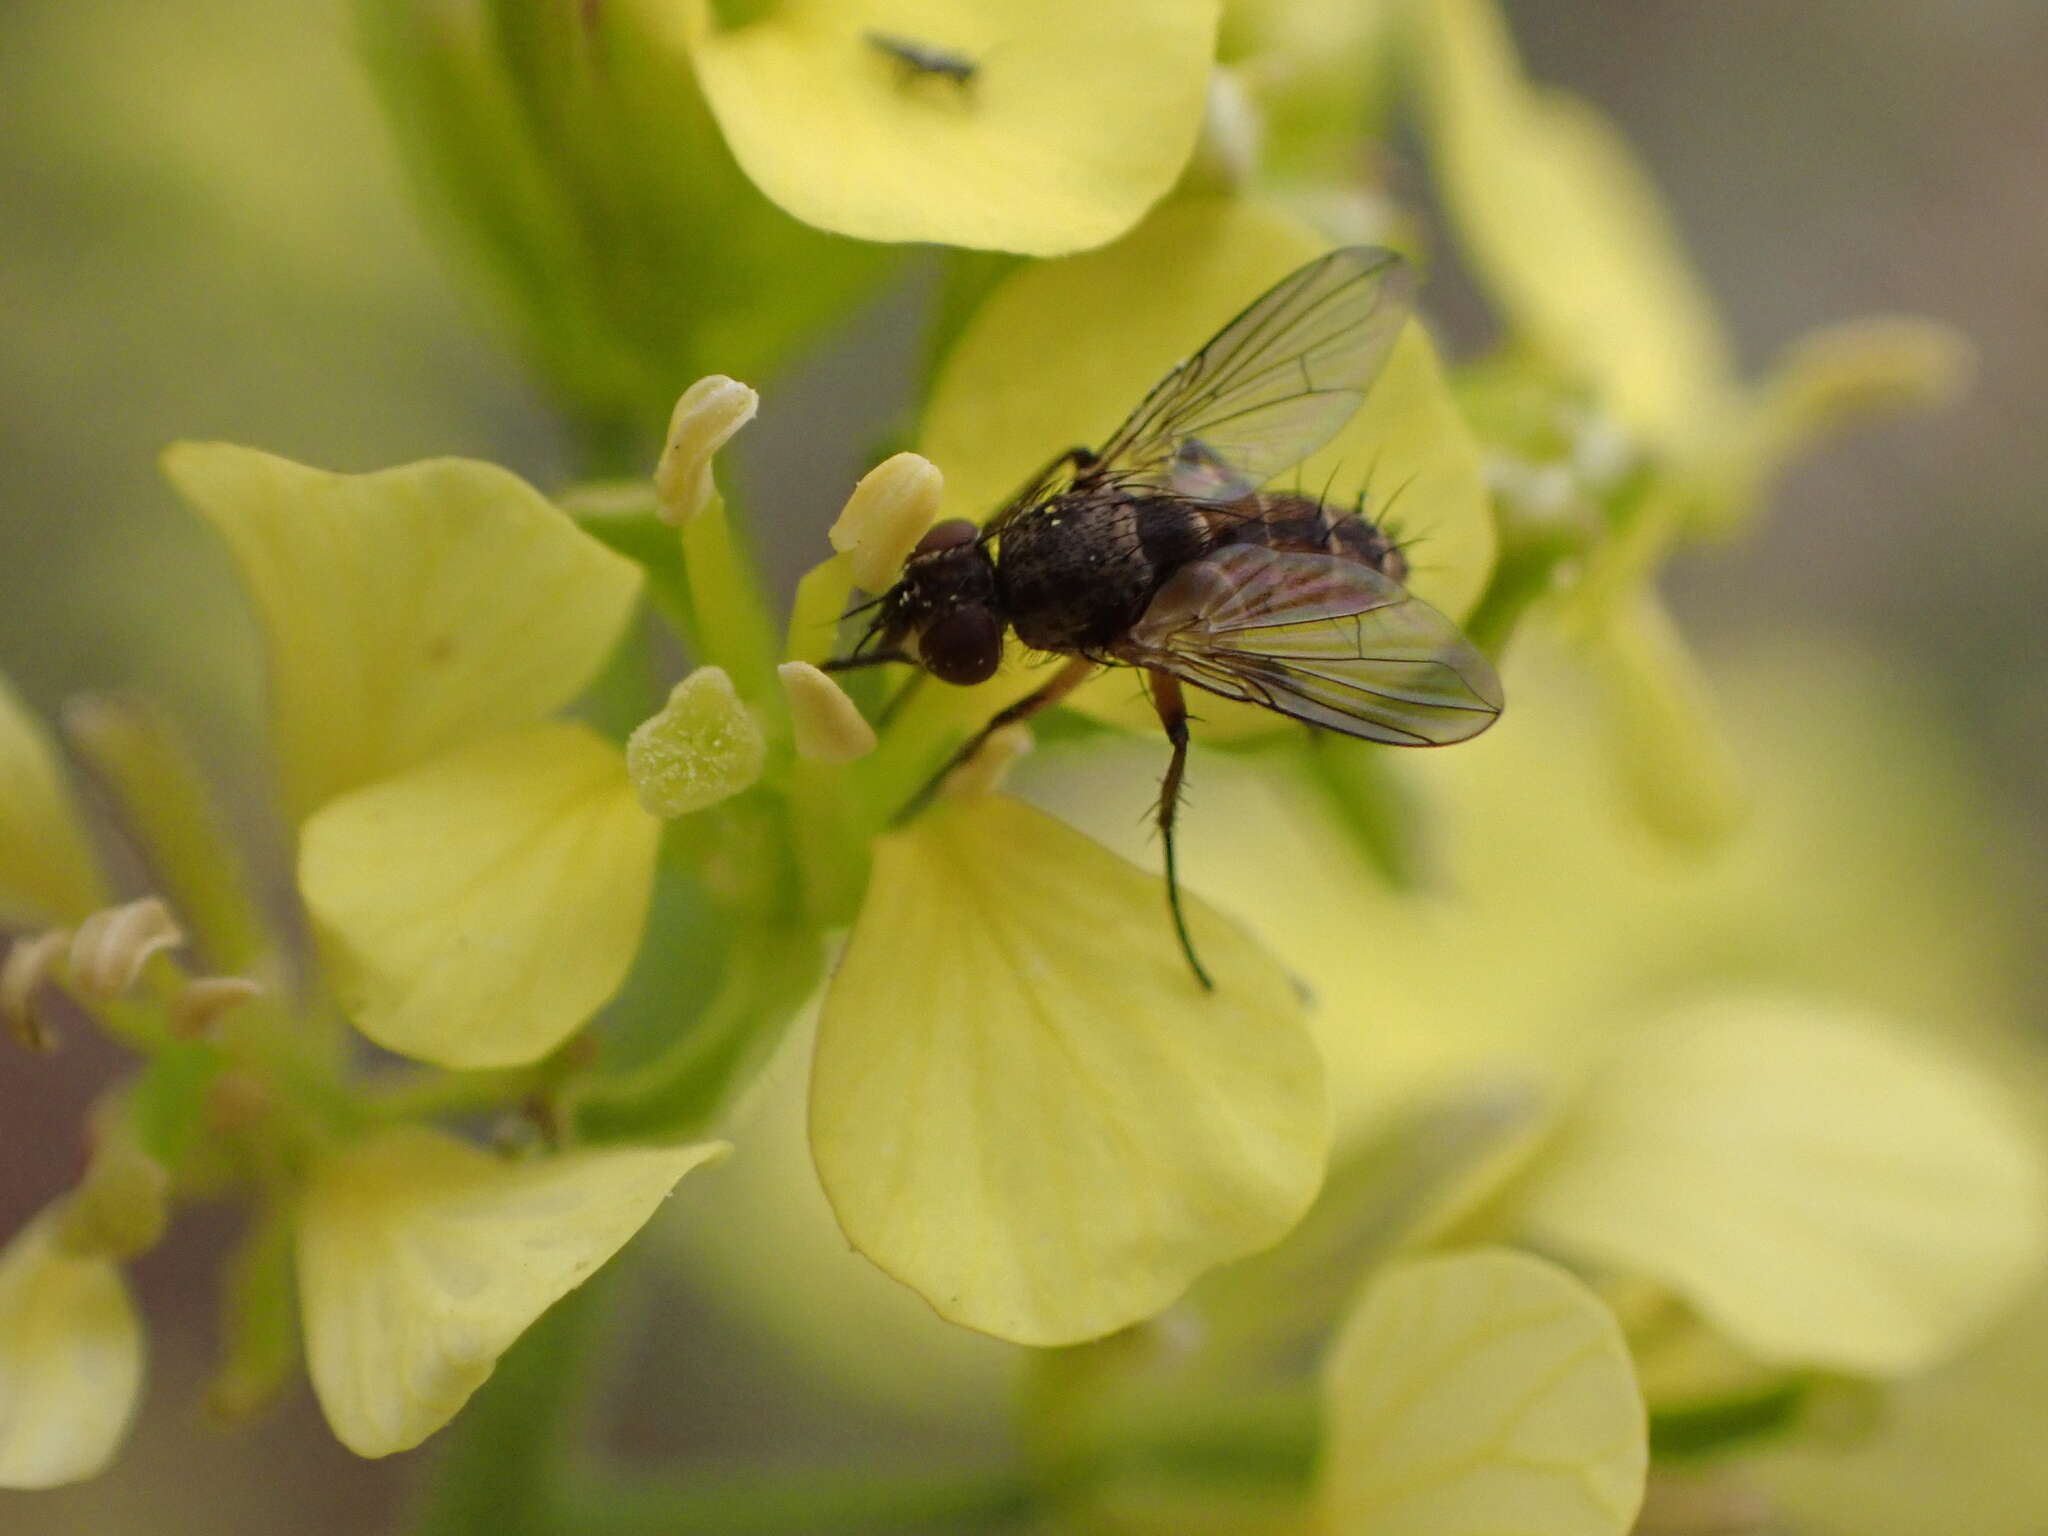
(945, 605)
(1077, 572)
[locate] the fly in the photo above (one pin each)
(1161, 551)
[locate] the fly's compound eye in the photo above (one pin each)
(963, 646)
(950, 534)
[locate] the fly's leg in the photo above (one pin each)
(1065, 681)
(1173, 714)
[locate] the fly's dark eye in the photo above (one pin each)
(950, 534)
(964, 646)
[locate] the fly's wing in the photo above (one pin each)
(1273, 386)
(1324, 640)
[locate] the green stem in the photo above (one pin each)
(504, 1458)
(682, 1090)
(804, 1503)
(733, 627)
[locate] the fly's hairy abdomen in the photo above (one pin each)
(1289, 521)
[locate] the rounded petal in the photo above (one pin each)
(1056, 143)
(421, 1260)
(70, 1361)
(46, 871)
(477, 910)
(407, 611)
(1481, 1392)
(1565, 229)
(1060, 353)
(1025, 1107)
(1826, 1192)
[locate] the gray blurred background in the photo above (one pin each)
(204, 235)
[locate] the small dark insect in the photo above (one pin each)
(1160, 551)
(924, 59)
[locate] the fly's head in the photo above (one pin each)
(945, 608)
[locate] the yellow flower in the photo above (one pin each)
(1568, 233)
(1642, 413)
(477, 873)
(1052, 142)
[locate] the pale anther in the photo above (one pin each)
(709, 413)
(112, 946)
(828, 725)
(886, 515)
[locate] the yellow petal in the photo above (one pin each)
(422, 1259)
(1077, 118)
(406, 611)
(70, 1361)
(1060, 353)
(1567, 232)
(477, 910)
(1022, 1103)
(1482, 1392)
(1826, 1192)
(46, 872)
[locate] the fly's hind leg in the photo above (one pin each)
(1065, 681)
(1173, 714)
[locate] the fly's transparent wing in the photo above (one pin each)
(1324, 640)
(1274, 385)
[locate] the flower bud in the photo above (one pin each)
(886, 515)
